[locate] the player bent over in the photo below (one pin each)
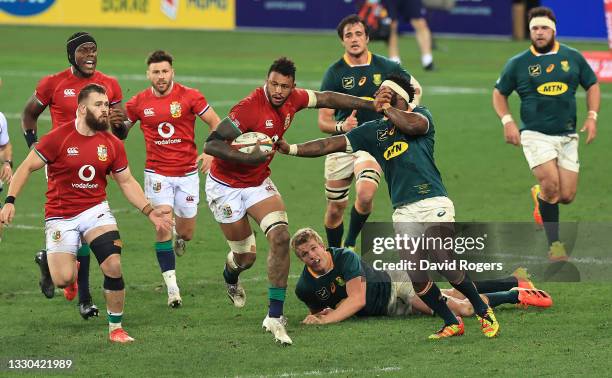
(336, 284)
(78, 157)
(239, 184)
(403, 143)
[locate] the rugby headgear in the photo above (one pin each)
(74, 42)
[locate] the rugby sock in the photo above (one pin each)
(83, 276)
(230, 276)
(493, 286)
(334, 235)
(550, 217)
(355, 226)
(277, 300)
(170, 280)
(467, 288)
(495, 299)
(433, 299)
(165, 255)
(114, 320)
(426, 60)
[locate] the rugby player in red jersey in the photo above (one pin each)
(78, 156)
(239, 184)
(59, 92)
(167, 113)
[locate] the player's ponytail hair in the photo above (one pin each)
(304, 235)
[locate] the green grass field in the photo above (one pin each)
(487, 180)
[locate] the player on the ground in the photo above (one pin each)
(239, 184)
(403, 144)
(167, 113)
(336, 284)
(78, 156)
(546, 77)
(59, 92)
(6, 156)
(358, 73)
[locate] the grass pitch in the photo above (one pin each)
(486, 179)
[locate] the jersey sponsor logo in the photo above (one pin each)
(552, 88)
(175, 109)
(287, 121)
(362, 81)
(565, 65)
(149, 112)
(550, 68)
(348, 82)
(395, 150)
(269, 124)
(69, 92)
(72, 151)
(102, 152)
(25, 8)
(535, 70)
(165, 130)
(323, 293)
(86, 174)
(377, 79)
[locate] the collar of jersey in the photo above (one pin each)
(554, 50)
(345, 57)
(315, 275)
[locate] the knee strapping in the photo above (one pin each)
(337, 194)
(369, 174)
(242, 246)
(105, 245)
(113, 284)
(272, 220)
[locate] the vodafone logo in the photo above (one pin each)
(69, 92)
(87, 173)
(165, 130)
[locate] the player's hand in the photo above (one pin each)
(512, 134)
(7, 213)
(6, 172)
(116, 117)
(383, 97)
(257, 156)
(205, 160)
(282, 146)
(161, 219)
(325, 311)
(590, 126)
(350, 122)
(312, 319)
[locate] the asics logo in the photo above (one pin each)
(441, 213)
(87, 173)
(69, 92)
(165, 130)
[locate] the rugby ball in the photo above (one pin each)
(247, 141)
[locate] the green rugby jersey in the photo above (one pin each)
(546, 84)
(407, 160)
(361, 81)
(319, 292)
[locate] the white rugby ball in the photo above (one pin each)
(247, 141)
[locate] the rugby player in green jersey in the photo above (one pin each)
(336, 284)
(358, 73)
(546, 77)
(402, 143)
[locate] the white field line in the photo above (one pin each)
(334, 371)
(429, 90)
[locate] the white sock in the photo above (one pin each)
(426, 59)
(170, 280)
(395, 59)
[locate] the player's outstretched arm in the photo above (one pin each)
(313, 148)
(356, 300)
(407, 122)
(133, 193)
(29, 120)
(217, 145)
(335, 100)
(31, 163)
